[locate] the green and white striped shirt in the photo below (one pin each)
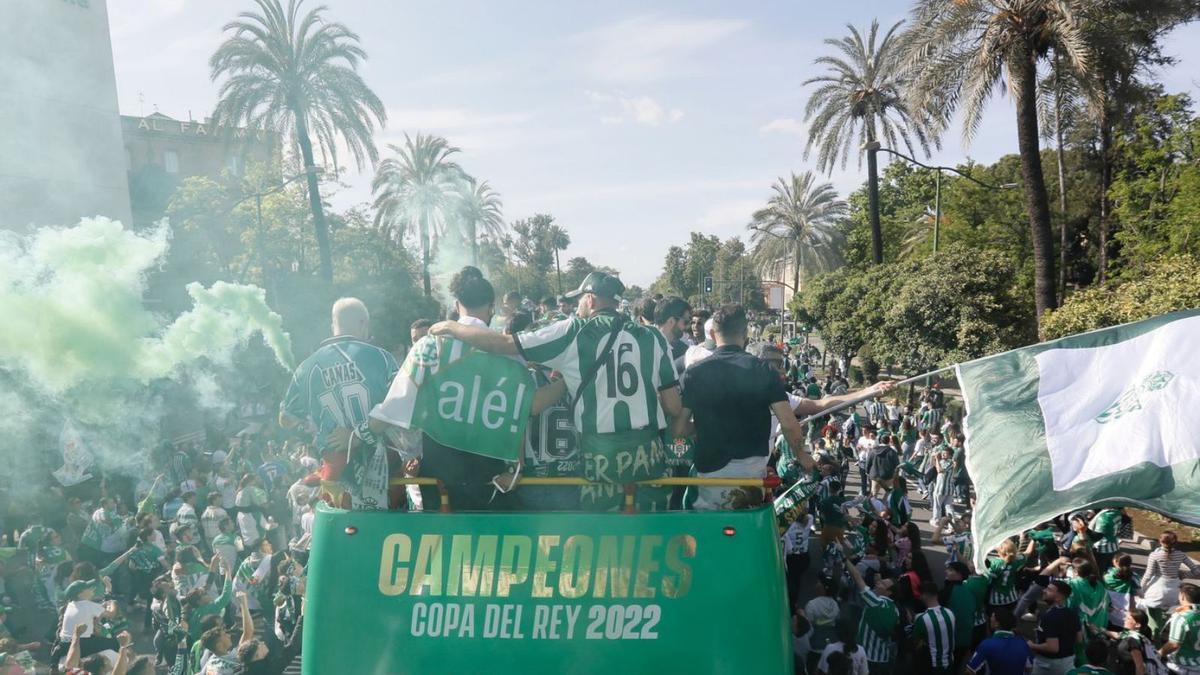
(1004, 580)
(877, 627)
(1106, 523)
(1184, 630)
(936, 627)
(623, 396)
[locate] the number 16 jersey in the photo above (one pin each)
(623, 395)
(339, 384)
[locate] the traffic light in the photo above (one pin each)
(708, 284)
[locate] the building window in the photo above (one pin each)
(171, 161)
(234, 165)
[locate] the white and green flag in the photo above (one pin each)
(462, 398)
(1106, 417)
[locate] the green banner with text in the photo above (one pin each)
(556, 593)
(462, 398)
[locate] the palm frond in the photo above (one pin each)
(860, 97)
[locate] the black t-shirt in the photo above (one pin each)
(1061, 623)
(730, 395)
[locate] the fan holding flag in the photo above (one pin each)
(462, 411)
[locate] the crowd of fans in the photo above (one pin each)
(1061, 598)
(201, 559)
(210, 544)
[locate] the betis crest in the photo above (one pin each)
(1131, 400)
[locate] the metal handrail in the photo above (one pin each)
(768, 485)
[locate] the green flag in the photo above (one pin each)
(462, 398)
(1106, 417)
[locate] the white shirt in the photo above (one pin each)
(865, 446)
(695, 354)
(893, 413)
(858, 659)
(793, 401)
(795, 540)
(79, 612)
(228, 489)
(210, 521)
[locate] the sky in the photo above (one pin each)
(632, 123)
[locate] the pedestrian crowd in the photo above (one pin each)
(200, 561)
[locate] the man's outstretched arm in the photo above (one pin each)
(815, 406)
(483, 339)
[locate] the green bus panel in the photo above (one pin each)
(526, 593)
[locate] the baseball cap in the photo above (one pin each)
(76, 588)
(598, 283)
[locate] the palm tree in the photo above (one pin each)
(799, 223)
(960, 50)
(298, 74)
(559, 241)
(417, 187)
(479, 208)
(1061, 104)
(860, 100)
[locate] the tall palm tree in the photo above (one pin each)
(480, 212)
(559, 241)
(960, 50)
(417, 187)
(298, 74)
(861, 99)
(798, 224)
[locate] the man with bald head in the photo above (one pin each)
(339, 384)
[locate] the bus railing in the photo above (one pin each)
(767, 484)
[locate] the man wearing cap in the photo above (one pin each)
(621, 381)
(82, 610)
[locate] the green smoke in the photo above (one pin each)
(79, 342)
(224, 316)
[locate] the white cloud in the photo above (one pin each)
(652, 47)
(636, 109)
(784, 125)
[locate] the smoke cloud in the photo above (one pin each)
(79, 343)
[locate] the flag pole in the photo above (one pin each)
(871, 394)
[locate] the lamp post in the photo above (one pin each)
(874, 147)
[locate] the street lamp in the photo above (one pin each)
(874, 147)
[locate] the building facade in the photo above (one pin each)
(777, 282)
(60, 152)
(161, 151)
